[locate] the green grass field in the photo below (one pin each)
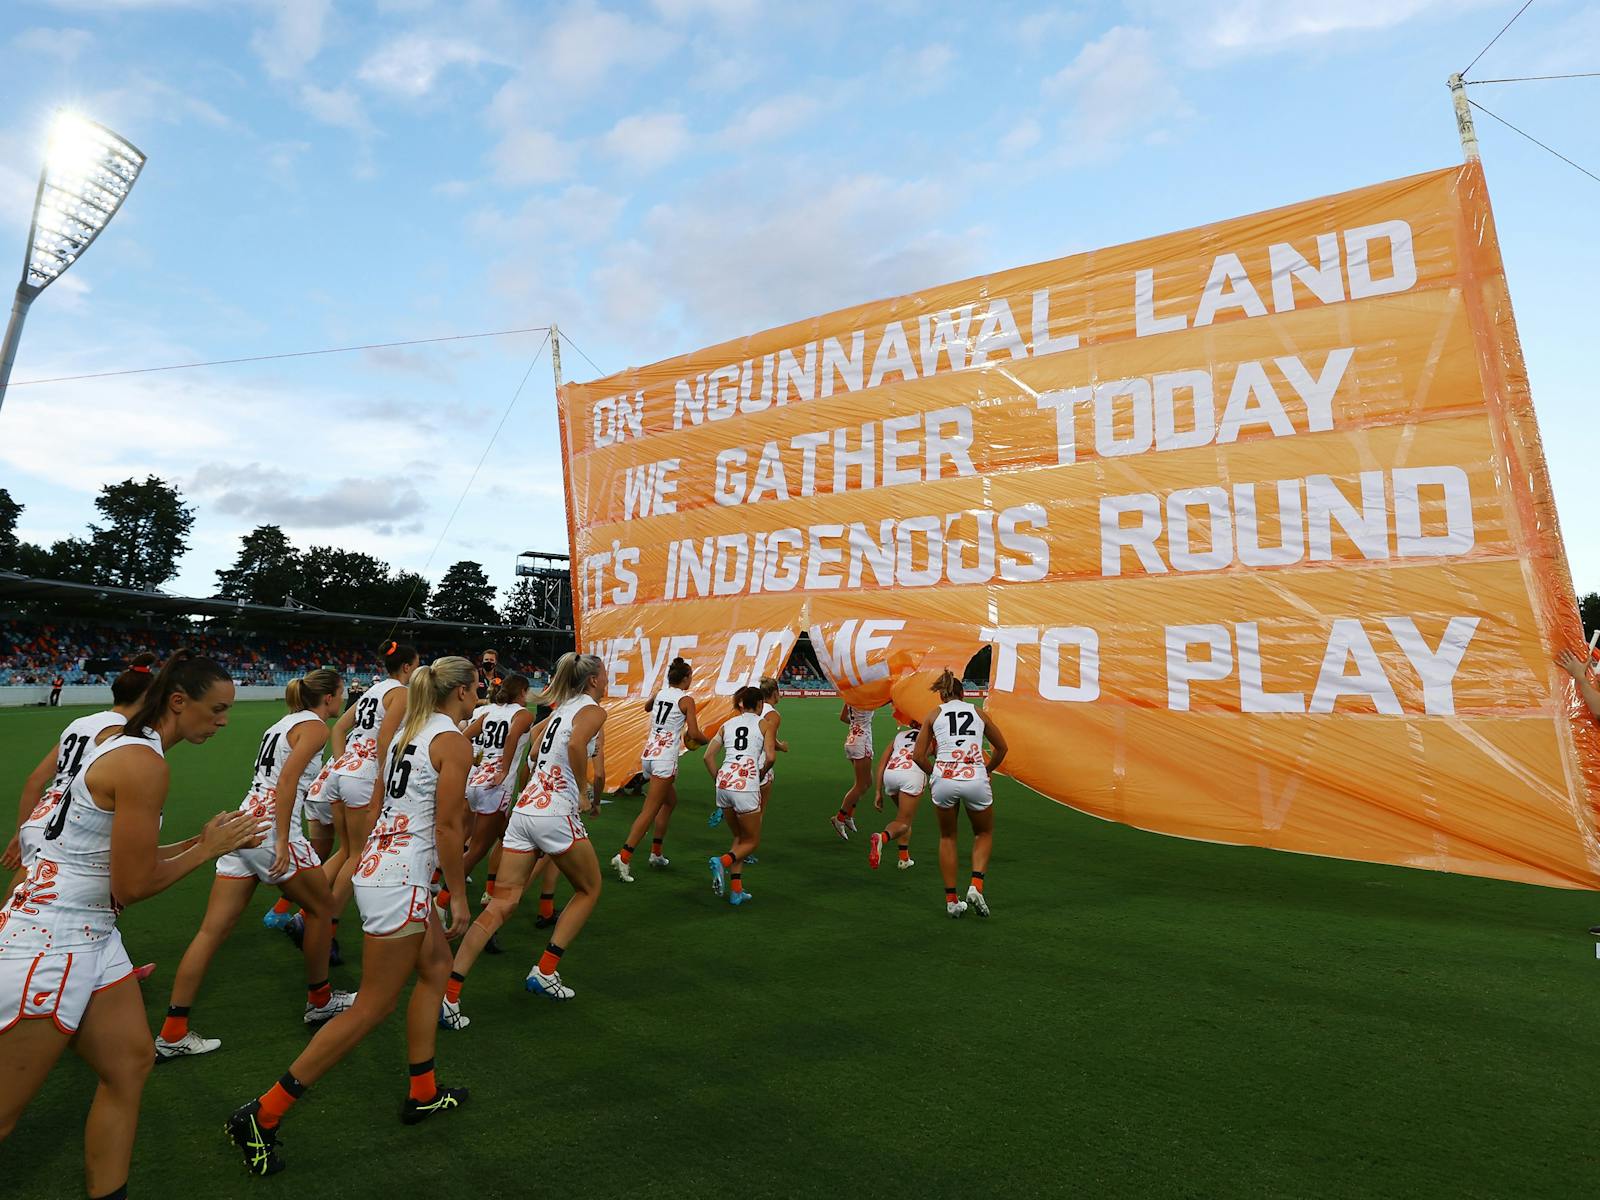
(1142, 1016)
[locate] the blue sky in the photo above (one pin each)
(659, 176)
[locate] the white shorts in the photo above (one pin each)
(904, 783)
(658, 768)
(532, 829)
(767, 777)
(387, 911)
(316, 804)
(353, 791)
(58, 985)
(485, 798)
(740, 802)
(974, 793)
(257, 861)
(858, 750)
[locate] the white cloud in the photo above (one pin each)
(411, 64)
(1263, 26)
(724, 10)
(64, 45)
(771, 119)
(647, 141)
(1021, 138)
(585, 44)
(532, 156)
(268, 494)
(1115, 86)
(142, 100)
(295, 37)
(338, 107)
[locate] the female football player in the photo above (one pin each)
(674, 726)
(499, 733)
(64, 975)
(420, 827)
(858, 750)
(546, 820)
(287, 762)
(746, 756)
(900, 779)
(949, 748)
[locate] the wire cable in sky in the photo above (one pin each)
(482, 458)
(1496, 38)
(1534, 140)
(226, 362)
(579, 349)
(1533, 78)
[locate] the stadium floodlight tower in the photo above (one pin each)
(88, 172)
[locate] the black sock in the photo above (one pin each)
(290, 1084)
(547, 895)
(177, 1010)
(120, 1194)
(655, 846)
(627, 849)
(491, 876)
(554, 950)
(422, 1068)
(458, 976)
(950, 895)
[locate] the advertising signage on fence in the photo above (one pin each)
(1253, 518)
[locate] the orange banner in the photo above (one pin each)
(1254, 519)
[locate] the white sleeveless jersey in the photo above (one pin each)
(491, 741)
(360, 755)
(65, 902)
(860, 735)
(900, 753)
(76, 746)
(744, 754)
(261, 799)
(667, 723)
(402, 852)
(958, 742)
(552, 787)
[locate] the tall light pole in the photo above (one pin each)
(88, 172)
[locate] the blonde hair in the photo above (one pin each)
(573, 674)
(312, 688)
(769, 687)
(948, 687)
(429, 685)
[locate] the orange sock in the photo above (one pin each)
(728, 860)
(423, 1086)
(318, 994)
(489, 887)
(977, 881)
(738, 881)
(547, 905)
(626, 853)
(551, 959)
(176, 1024)
(278, 1100)
(282, 906)
(443, 898)
(905, 851)
(452, 988)
(655, 847)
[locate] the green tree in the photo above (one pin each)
(1589, 610)
(10, 510)
(342, 580)
(519, 604)
(76, 561)
(267, 571)
(146, 533)
(465, 594)
(405, 592)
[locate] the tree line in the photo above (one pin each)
(143, 531)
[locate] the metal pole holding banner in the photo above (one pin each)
(1469, 135)
(566, 450)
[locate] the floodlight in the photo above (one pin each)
(88, 173)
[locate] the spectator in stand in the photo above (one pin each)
(56, 685)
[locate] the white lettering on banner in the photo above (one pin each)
(1147, 407)
(607, 578)
(848, 661)
(616, 418)
(915, 551)
(1350, 666)
(1226, 522)
(1051, 641)
(647, 489)
(750, 654)
(655, 654)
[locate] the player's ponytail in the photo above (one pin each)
(513, 689)
(678, 673)
(768, 687)
(132, 683)
(396, 655)
(183, 672)
(948, 687)
(428, 687)
(573, 674)
(312, 689)
(747, 699)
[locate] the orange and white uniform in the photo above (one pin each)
(901, 775)
(858, 742)
(75, 750)
(261, 802)
(401, 854)
(664, 740)
(770, 773)
(960, 774)
(482, 795)
(59, 942)
(350, 777)
(744, 753)
(546, 815)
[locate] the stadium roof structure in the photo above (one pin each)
(15, 588)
